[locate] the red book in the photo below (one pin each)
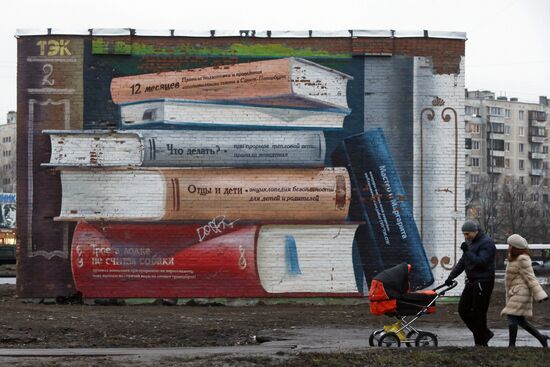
(217, 259)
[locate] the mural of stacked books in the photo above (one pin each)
(216, 185)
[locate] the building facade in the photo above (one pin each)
(8, 143)
(134, 231)
(507, 162)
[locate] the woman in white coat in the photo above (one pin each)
(522, 287)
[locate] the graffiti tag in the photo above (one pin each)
(216, 225)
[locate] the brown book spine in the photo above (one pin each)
(262, 194)
(253, 80)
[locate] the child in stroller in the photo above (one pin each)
(389, 295)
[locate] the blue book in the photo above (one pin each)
(390, 235)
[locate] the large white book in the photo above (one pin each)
(183, 112)
(186, 148)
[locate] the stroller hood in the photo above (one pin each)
(395, 280)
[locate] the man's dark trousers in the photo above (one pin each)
(473, 306)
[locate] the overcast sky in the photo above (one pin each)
(508, 47)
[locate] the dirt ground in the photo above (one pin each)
(31, 325)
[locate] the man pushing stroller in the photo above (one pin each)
(478, 261)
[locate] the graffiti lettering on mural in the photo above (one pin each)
(158, 113)
(376, 188)
(280, 82)
(204, 193)
(244, 261)
(216, 225)
(165, 148)
(54, 47)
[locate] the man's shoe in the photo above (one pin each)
(490, 335)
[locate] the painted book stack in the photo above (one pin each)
(288, 93)
(214, 186)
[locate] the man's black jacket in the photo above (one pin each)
(478, 261)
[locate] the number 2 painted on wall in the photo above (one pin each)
(48, 71)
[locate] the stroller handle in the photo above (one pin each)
(447, 287)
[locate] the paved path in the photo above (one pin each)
(295, 340)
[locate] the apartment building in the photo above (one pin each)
(8, 132)
(507, 159)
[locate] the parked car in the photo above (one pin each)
(7, 254)
(541, 268)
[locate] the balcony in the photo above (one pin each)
(473, 119)
(495, 118)
(495, 135)
(496, 153)
(537, 139)
(495, 169)
(536, 172)
(537, 115)
(536, 123)
(537, 155)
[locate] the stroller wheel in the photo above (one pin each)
(374, 335)
(411, 336)
(389, 340)
(426, 339)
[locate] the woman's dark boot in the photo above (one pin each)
(513, 333)
(543, 339)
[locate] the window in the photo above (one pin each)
(545, 165)
(507, 129)
(497, 161)
(508, 179)
(6, 181)
(497, 145)
(507, 147)
(521, 180)
(496, 111)
(545, 182)
(507, 163)
(545, 149)
(470, 110)
(507, 112)
(520, 147)
(535, 180)
(476, 144)
(474, 128)
(521, 115)
(535, 197)
(474, 179)
(497, 127)
(474, 162)
(521, 131)
(538, 131)
(521, 196)
(468, 143)
(521, 164)
(536, 164)
(545, 198)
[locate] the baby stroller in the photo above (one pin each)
(389, 295)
